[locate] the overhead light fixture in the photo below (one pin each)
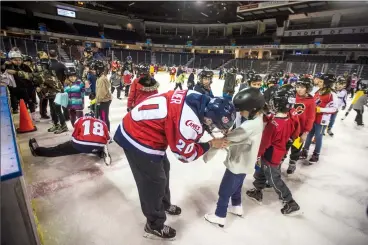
(291, 11)
(131, 4)
(204, 14)
(240, 17)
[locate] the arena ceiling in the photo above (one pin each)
(210, 12)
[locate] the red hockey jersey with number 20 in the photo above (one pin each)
(90, 131)
(162, 120)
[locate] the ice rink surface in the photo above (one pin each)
(80, 201)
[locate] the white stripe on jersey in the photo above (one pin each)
(86, 143)
(139, 146)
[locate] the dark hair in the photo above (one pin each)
(53, 53)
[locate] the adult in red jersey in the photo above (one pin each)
(276, 134)
(90, 135)
(176, 119)
(305, 109)
(142, 87)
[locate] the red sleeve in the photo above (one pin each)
(131, 98)
(266, 140)
(77, 128)
(311, 116)
(186, 150)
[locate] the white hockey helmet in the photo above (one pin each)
(15, 54)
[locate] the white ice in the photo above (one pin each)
(80, 201)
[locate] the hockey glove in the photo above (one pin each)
(318, 109)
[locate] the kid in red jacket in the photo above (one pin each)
(326, 104)
(127, 78)
(276, 134)
(305, 109)
(142, 87)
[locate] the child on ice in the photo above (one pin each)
(242, 154)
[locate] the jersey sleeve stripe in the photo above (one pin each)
(86, 142)
(138, 145)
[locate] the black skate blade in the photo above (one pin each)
(157, 238)
(218, 226)
(294, 214)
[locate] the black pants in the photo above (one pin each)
(66, 149)
(66, 113)
(57, 114)
(178, 85)
(127, 87)
(103, 112)
(294, 152)
(359, 117)
(26, 95)
(352, 91)
(43, 106)
(152, 179)
(118, 90)
(272, 175)
(74, 115)
(13, 98)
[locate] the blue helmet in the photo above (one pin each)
(90, 114)
(129, 59)
(222, 113)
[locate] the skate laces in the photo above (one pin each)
(172, 208)
(166, 229)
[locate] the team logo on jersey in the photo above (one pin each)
(193, 125)
(299, 108)
(225, 120)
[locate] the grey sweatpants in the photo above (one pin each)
(272, 175)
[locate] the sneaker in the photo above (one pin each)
(314, 159)
(166, 232)
(303, 154)
(291, 168)
(54, 128)
(256, 195)
(45, 117)
(33, 145)
(330, 133)
(62, 129)
(236, 210)
(173, 210)
(290, 208)
(214, 219)
(106, 156)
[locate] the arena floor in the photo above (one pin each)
(80, 201)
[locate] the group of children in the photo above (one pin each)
(267, 128)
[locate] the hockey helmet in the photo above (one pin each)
(283, 99)
(27, 58)
(362, 85)
(129, 59)
(13, 54)
(249, 99)
(70, 71)
(305, 82)
(328, 80)
(98, 66)
(221, 112)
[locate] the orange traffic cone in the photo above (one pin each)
(25, 121)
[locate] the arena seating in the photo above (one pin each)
(170, 58)
(316, 58)
(362, 60)
(138, 56)
(211, 61)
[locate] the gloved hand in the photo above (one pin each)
(318, 109)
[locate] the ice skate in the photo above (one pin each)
(330, 133)
(33, 145)
(291, 168)
(173, 210)
(214, 219)
(61, 129)
(291, 208)
(255, 195)
(314, 159)
(53, 128)
(236, 210)
(303, 154)
(106, 156)
(166, 233)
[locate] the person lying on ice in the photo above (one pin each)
(90, 135)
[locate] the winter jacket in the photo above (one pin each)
(229, 85)
(115, 79)
(92, 78)
(341, 96)
(305, 108)
(357, 95)
(75, 92)
(103, 89)
(48, 83)
(23, 77)
(128, 67)
(242, 152)
(180, 78)
(361, 102)
(201, 89)
(139, 91)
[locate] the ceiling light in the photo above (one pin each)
(240, 17)
(131, 4)
(204, 14)
(291, 11)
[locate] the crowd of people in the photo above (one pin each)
(268, 117)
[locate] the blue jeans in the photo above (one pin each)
(316, 131)
(332, 120)
(231, 186)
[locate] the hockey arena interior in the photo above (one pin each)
(184, 122)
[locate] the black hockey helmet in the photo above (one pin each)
(362, 85)
(205, 74)
(283, 99)
(249, 99)
(305, 82)
(27, 58)
(143, 70)
(256, 78)
(98, 66)
(272, 80)
(88, 49)
(70, 71)
(328, 80)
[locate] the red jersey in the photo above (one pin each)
(168, 119)
(90, 131)
(127, 79)
(328, 104)
(138, 93)
(276, 134)
(305, 108)
(172, 71)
